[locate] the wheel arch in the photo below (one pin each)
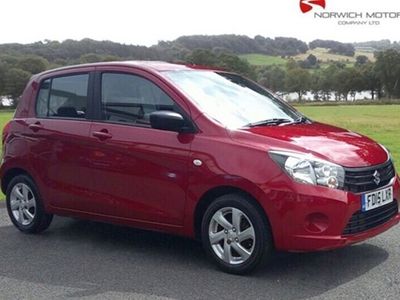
(9, 175)
(208, 197)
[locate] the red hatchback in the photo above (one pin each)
(201, 153)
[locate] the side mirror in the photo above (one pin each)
(167, 120)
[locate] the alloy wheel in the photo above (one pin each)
(23, 204)
(231, 235)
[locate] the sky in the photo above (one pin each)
(145, 22)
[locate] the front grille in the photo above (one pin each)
(359, 180)
(362, 221)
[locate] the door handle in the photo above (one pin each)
(35, 126)
(102, 135)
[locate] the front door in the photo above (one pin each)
(140, 171)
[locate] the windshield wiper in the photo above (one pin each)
(275, 121)
(300, 120)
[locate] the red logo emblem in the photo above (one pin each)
(308, 5)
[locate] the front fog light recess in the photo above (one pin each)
(309, 170)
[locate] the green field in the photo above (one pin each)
(263, 60)
(380, 122)
(322, 55)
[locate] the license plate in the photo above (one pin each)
(377, 199)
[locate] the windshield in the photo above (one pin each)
(231, 99)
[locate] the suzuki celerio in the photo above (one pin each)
(196, 152)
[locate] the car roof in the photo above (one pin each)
(155, 66)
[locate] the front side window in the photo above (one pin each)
(63, 97)
(130, 99)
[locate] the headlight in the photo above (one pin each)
(309, 170)
(390, 157)
(387, 151)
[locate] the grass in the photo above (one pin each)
(263, 60)
(379, 122)
(5, 116)
(322, 55)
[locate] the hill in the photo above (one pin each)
(322, 54)
(236, 53)
(258, 50)
(71, 51)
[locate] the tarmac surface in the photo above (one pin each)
(88, 260)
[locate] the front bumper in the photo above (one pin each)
(305, 243)
(313, 218)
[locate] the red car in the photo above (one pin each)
(197, 152)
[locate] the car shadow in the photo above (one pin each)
(95, 258)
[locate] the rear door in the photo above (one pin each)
(142, 171)
(58, 140)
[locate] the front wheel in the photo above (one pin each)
(25, 207)
(235, 234)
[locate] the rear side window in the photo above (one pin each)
(130, 99)
(63, 97)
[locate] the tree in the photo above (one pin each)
(8, 59)
(312, 60)
(15, 82)
(316, 85)
(370, 80)
(33, 64)
(226, 61)
(90, 58)
(273, 78)
(111, 58)
(388, 70)
(3, 70)
(326, 82)
(361, 60)
(348, 80)
(334, 47)
(202, 57)
(291, 64)
(355, 82)
(298, 81)
(234, 63)
(240, 44)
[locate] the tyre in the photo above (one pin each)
(235, 234)
(25, 207)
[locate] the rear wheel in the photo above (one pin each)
(25, 207)
(235, 234)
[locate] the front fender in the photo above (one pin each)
(198, 190)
